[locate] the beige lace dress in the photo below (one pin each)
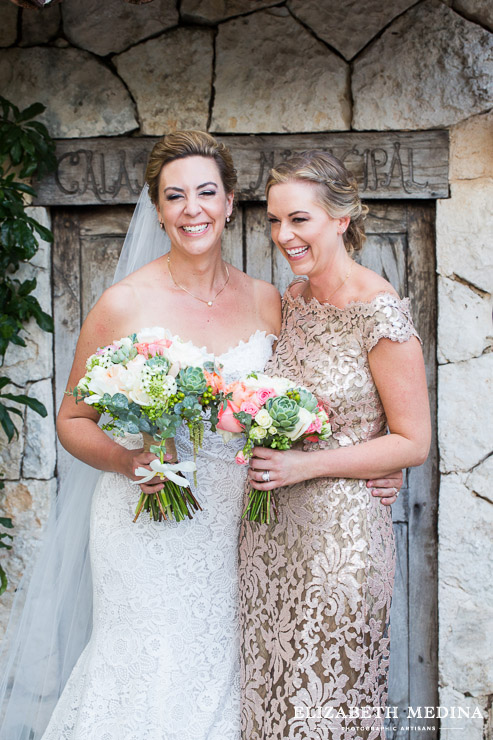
(315, 589)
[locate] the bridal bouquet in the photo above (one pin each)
(272, 412)
(150, 382)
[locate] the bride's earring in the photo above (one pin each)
(161, 225)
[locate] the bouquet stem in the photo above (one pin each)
(261, 507)
(173, 502)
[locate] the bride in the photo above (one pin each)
(162, 659)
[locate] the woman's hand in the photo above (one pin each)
(130, 460)
(290, 466)
(285, 468)
(387, 488)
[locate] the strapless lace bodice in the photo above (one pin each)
(163, 660)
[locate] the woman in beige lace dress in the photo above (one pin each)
(316, 587)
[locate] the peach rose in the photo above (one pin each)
(227, 421)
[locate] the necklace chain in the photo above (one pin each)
(208, 303)
(324, 300)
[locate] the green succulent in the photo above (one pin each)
(284, 413)
(307, 400)
(191, 380)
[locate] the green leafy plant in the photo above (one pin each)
(7, 523)
(26, 150)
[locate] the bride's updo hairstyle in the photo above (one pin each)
(183, 144)
(336, 187)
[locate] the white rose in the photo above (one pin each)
(185, 354)
(107, 380)
(304, 421)
(263, 419)
(151, 335)
(140, 396)
(280, 385)
(258, 433)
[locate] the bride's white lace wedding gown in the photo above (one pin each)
(163, 659)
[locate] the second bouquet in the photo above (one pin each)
(273, 412)
(151, 382)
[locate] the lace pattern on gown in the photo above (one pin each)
(315, 589)
(163, 659)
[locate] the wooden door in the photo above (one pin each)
(400, 246)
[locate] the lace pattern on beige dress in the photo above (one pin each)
(316, 588)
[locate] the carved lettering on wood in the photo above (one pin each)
(386, 165)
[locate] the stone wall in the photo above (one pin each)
(252, 66)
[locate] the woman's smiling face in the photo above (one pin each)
(302, 229)
(193, 204)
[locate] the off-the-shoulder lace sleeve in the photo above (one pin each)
(387, 316)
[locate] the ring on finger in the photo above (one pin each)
(266, 476)
(396, 492)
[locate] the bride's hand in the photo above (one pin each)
(285, 468)
(133, 459)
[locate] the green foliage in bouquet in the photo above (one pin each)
(26, 150)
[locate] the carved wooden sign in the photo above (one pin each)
(386, 165)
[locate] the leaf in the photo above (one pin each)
(33, 403)
(6, 522)
(3, 581)
(31, 112)
(4, 381)
(7, 424)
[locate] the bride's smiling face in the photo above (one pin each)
(193, 204)
(302, 229)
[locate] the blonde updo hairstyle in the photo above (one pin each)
(336, 187)
(181, 144)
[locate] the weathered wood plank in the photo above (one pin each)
(232, 241)
(66, 308)
(99, 257)
(386, 254)
(399, 639)
(258, 256)
(423, 481)
(386, 164)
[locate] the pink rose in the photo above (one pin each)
(312, 438)
(264, 393)
(241, 459)
(315, 426)
(227, 421)
(249, 408)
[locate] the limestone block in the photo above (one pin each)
(480, 11)
(8, 24)
(34, 361)
(28, 503)
(83, 97)
(11, 452)
(348, 26)
(39, 27)
(40, 444)
(464, 226)
(471, 148)
(430, 68)
(472, 726)
(213, 11)
(465, 410)
(112, 26)
(273, 76)
(464, 322)
(465, 588)
(480, 480)
(170, 79)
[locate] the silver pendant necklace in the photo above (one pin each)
(202, 300)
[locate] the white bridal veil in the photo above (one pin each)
(51, 619)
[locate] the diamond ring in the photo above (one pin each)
(266, 476)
